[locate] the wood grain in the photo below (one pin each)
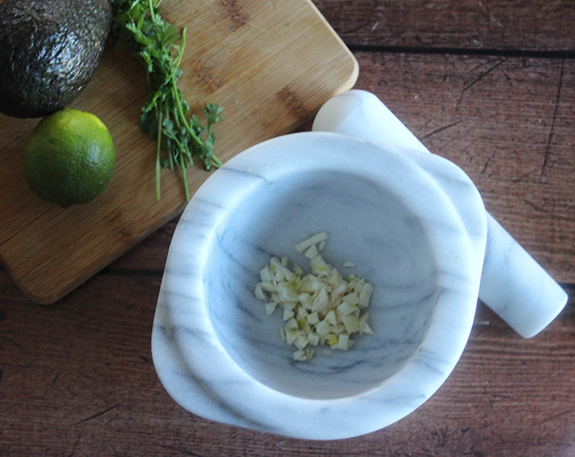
(505, 121)
(514, 25)
(248, 57)
(77, 379)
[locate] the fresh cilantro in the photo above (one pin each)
(159, 47)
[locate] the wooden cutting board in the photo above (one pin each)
(270, 63)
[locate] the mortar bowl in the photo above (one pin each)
(414, 226)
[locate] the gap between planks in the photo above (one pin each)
(557, 54)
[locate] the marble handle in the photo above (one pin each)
(513, 284)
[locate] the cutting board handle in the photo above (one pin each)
(513, 284)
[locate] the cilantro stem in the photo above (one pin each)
(180, 112)
(151, 7)
(184, 178)
(158, 153)
(182, 45)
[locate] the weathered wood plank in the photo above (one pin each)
(77, 379)
(506, 121)
(538, 25)
(271, 64)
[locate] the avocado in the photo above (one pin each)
(49, 50)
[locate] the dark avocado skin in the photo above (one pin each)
(49, 50)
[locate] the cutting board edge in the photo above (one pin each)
(52, 298)
(54, 294)
(355, 71)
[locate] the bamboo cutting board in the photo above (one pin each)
(269, 63)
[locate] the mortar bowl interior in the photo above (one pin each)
(367, 224)
(389, 212)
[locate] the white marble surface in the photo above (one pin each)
(412, 222)
(513, 284)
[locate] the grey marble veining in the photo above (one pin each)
(412, 223)
(513, 284)
(419, 239)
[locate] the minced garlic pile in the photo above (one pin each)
(320, 308)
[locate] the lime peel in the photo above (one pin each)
(69, 158)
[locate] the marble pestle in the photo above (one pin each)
(512, 283)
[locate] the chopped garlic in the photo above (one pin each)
(259, 293)
(346, 308)
(311, 252)
(351, 323)
(331, 319)
(300, 247)
(291, 335)
(268, 286)
(270, 308)
(318, 266)
(342, 342)
(312, 318)
(321, 301)
(365, 296)
(265, 275)
(300, 342)
(288, 314)
(322, 328)
(306, 301)
(364, 326)
(321, 308)
(313, 338)
(291, 324)
(299, 356)
(351, 299)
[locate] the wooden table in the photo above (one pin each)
(489, 85)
